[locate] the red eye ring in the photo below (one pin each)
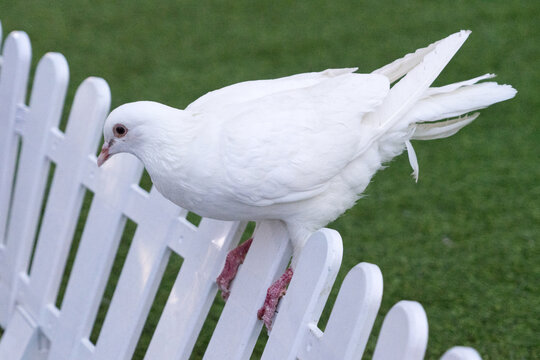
(119, 130)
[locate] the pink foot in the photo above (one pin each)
(235, 257)
(274, 293)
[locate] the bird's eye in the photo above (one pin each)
(119, 130)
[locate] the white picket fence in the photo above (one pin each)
(35, 328)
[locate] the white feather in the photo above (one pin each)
(398, 68)
(462, 100)
(441, 129)
(451, 87)
(413, 160)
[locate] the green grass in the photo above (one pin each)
(464, 240)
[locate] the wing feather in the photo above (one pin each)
(296, 141)
(251, 90)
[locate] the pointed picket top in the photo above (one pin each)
(404, 333)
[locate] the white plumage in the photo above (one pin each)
(301, 148)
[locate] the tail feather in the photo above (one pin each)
(449, 101)
(454, 86)
(441, 129)
(400, 67)
(461, 100)
(414, 109)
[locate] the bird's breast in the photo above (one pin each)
(203, 197)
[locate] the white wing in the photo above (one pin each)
(251, 90)
(286, 146)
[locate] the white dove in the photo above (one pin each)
(300, 149)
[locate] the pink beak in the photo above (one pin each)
(104, 154)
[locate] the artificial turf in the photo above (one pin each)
(463, 241)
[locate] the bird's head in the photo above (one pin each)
(135, 128)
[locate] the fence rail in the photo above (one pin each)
(31, 271)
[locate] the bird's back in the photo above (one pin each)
(250, 90)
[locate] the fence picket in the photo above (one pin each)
(461, 353)
(14, 77)
(90, 106)
(97, 248)
(404, 333)
(45, 108)
(191, 296)
(21, 339)
(238, 327)
(137, 285)
(354, 313)
(308, 292)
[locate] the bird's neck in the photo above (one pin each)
(169, 145)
